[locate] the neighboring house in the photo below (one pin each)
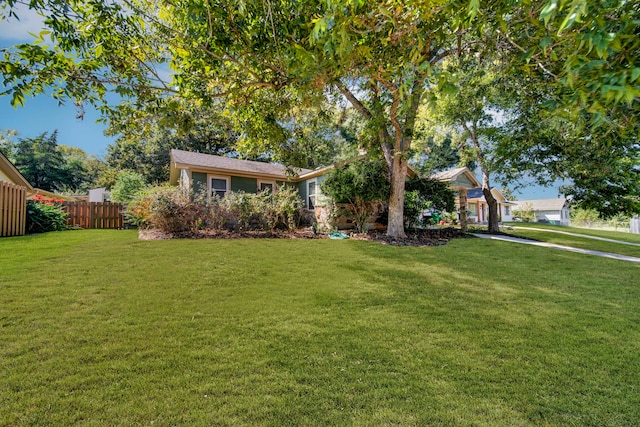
(99, 195)
(479, 208)
(9, 173)
(554, 211)
(460, 180)
(13, 199)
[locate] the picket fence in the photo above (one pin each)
(94, 215)
(13, 209)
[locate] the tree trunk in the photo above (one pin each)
(464, 221)
(493, 223)
(396, 201)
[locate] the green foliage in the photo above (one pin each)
(40, 161)
(50, 166)
(45, 215)
(524, 213)
(128, 185)
(425, 193)
(357, 186)
(241, 211)
(272, 67)
(584, 217)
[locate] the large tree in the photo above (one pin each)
(474, 117)
(268, 60)
(260, 57)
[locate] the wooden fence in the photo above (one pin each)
(13, 209)
(94, 215)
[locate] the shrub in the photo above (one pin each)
(169, 209)
(45, 214)
(283, 208)
(127, 186)
(358, 185)
(174, 210)
(584, 217)
(263, 211)
(524, 213)
(423, 194)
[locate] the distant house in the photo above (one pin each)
(479, 208)
(554, 211)
(99, 195)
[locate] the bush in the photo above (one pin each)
(263, 211)
(358, 186)
(174, 210)
(169, 209)
(128, 185)
(45, 214)
(423, 194)
(524, 213)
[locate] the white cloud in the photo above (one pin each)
(18, 30)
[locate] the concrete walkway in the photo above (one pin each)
(561, 247)
(622, 242)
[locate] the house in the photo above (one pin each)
(220, 175)
(99, 195)
(13, 199)
(10, 174)
(554, 211)
(460, 180)
(479, 208)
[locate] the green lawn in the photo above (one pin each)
(98, 328)
(580, 242)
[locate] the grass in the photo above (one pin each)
(98, 328)
(580, 242)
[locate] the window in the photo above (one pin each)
(218, 186)
(506, 211)
(266, 185)
(311, 194)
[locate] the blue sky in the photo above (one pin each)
(43, 114)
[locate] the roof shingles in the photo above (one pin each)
(209, 161)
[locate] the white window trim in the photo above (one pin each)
(226, 178)
(273, 183)
(306, 202)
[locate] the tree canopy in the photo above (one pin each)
(272, 66)
(49, 165)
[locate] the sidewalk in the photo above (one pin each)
(575, 235)
(561, 247)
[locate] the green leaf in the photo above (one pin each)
(474, 7)
(548, 11)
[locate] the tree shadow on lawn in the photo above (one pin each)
(488, 339)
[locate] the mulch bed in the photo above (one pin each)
(428, 237)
